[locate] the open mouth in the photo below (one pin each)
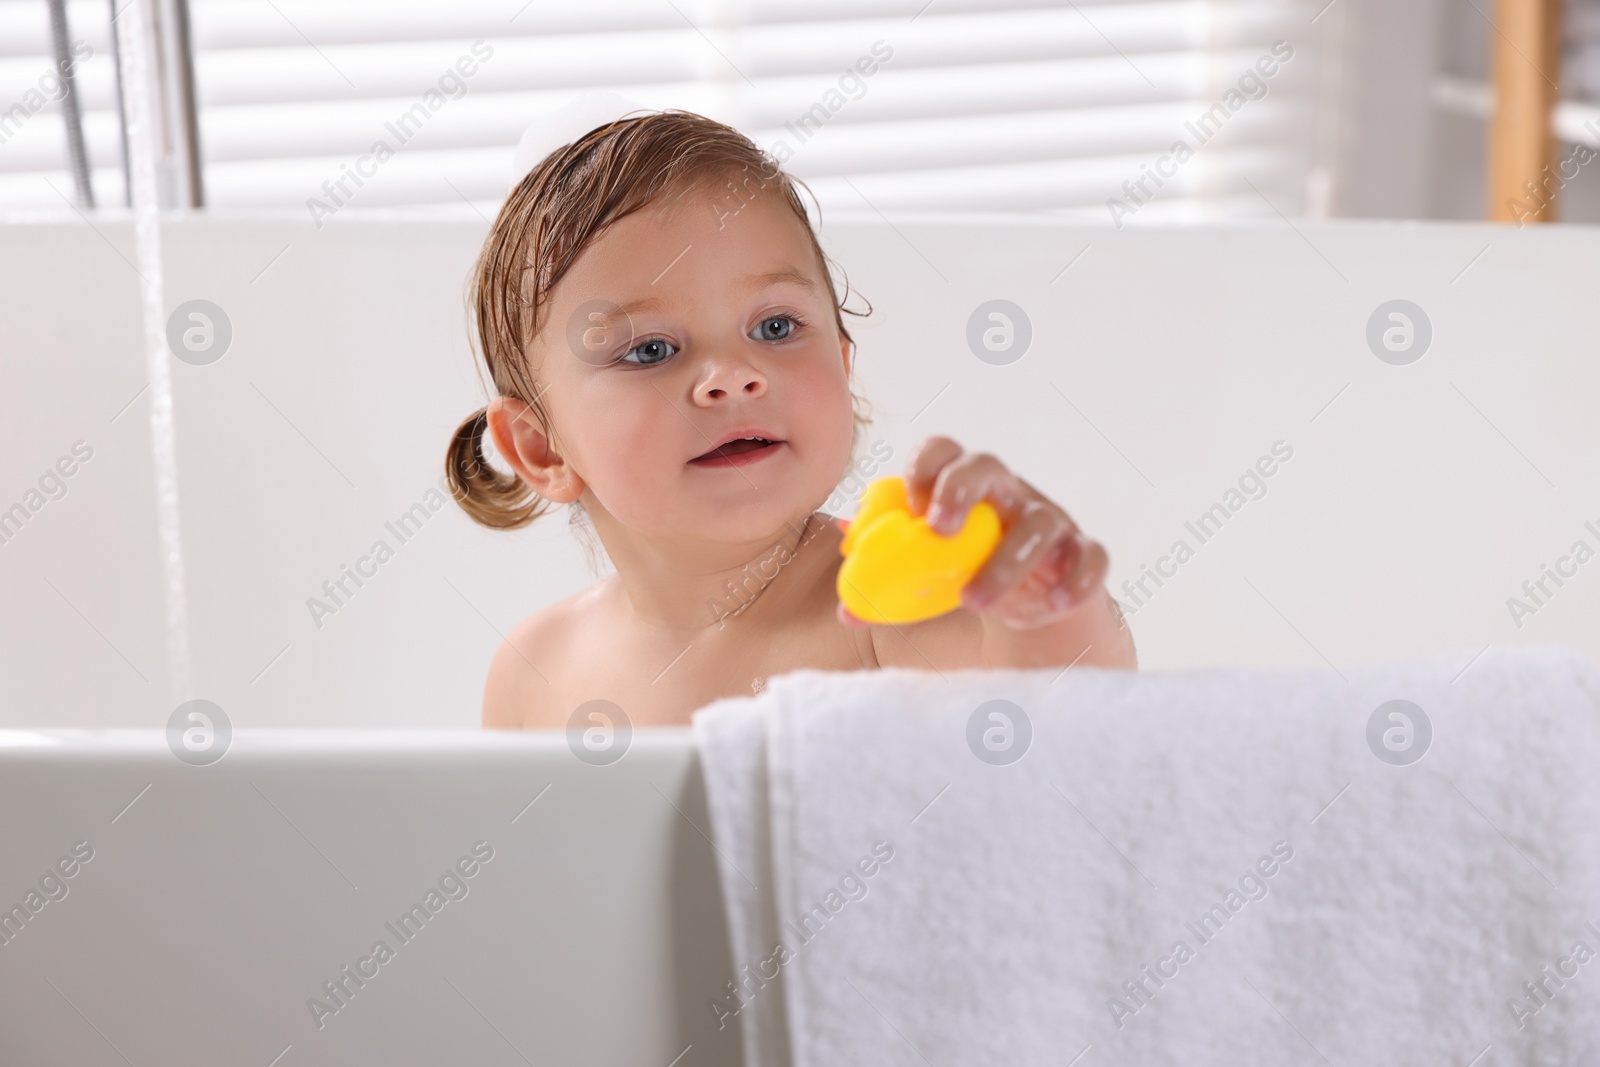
(737, 453)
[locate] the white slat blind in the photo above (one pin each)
(1003, 105)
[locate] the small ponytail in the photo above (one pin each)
(500, 501)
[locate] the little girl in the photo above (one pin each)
(669, 358)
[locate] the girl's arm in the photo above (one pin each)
(1094, 634)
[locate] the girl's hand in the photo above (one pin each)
(1043, 567)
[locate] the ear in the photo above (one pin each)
(518, 438)
(847, 349)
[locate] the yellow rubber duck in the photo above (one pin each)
(898, 569)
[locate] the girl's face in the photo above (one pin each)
(681, 326)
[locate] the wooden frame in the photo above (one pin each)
(1524, 70)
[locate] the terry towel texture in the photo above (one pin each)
(1207, 867)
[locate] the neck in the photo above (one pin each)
(676, 586)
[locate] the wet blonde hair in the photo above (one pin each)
(555, 212)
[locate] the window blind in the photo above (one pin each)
(876, 104)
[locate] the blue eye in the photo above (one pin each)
(652, 352)
(768, 335)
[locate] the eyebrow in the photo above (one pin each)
(788, 274)
(751, 283)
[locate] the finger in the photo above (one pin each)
(1089, 571)
(929, 458)
(1040, 601)
(1031, 493)
(1042, 532)
(973, 477)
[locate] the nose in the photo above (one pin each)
(725, 375)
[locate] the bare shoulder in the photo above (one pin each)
(522, 684)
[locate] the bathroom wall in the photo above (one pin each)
(1164, 365)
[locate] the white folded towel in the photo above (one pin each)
(1207, 867)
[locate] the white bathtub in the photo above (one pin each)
(217, 900)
